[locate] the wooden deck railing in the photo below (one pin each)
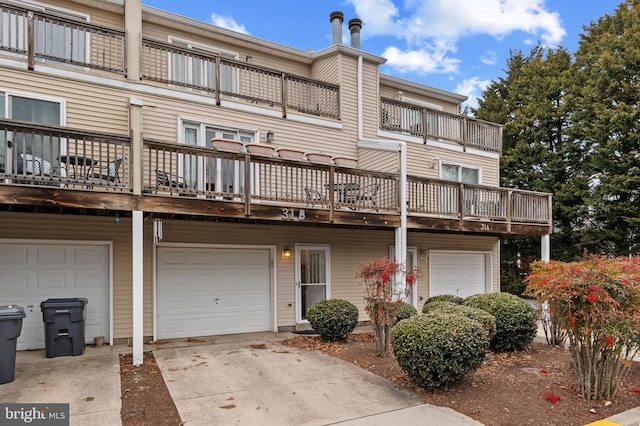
(32, 154)
(437, 198)
(49, 155)
(43, 36)
(415, 120)
(222, 77)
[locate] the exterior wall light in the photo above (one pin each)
(286, 253)
(270, 136)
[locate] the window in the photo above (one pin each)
(219, 175)
(35, 152)
(412, 118)
(449, 196)
(199, 72)
(54, 39)
(458, 173)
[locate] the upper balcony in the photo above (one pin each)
(40, 37)
(57, 167)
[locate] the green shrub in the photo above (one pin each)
(445, 298)
(405, 310)
(334, 319)
(515, 319)
(487, 320)
(438, 349)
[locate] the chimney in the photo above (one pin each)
(336, 19)
(355, 25)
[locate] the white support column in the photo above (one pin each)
(545, 248)
(135, 126)
(137, 223)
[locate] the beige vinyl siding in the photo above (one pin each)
(110, 114)
(326, 69)
(432, 241)
(349, 102)
(100, 12)
(392, 93)
(161, 115)
(370, 100)
(420, 162)
(160, 32)
(93, 228)
(380, 161)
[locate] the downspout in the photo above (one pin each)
(388, 145)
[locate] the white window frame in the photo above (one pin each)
(208, 49)
(460, 167)
(409, 120)
(21, 42)
(298, 278)
(36, 97)
(243, 135)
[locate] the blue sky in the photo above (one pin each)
(455, 45)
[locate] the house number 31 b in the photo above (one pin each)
(293, 214)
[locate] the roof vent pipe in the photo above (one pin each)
(336, 19)
(355, 25)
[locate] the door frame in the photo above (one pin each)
(413, 252)
(109, 245)
(298, 285)
(273, 284)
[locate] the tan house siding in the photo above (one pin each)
(370, 100)
(383, 161)
(430, 241)
(326, 69)
(349, 104)
(91, 228)
(82, 111)
(392, 93)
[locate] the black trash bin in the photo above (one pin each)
(64, 326)
(10, 327)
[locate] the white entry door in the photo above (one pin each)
(460, 273)
(313, 278)
(33, 273)
(412, 262)
(208, 291)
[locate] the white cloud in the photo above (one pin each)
(420, 61)
(472, 88)
(452, 19)
(431, 28)
(489, 58)
(228, 22)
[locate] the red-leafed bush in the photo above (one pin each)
(387, 284)
(597, 301)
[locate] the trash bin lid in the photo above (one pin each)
(69, 302)
(11, 311)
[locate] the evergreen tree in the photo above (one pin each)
(606, 105)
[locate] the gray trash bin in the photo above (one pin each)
(10, 327)
(63, 326)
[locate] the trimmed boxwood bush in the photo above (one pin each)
(334, 319)
(406, 310)
(483, 317)
(515, 319)
(445, 298)
(438, 348)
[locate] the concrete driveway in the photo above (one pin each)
(89, 383)
(254, 379)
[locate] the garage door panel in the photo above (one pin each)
(457, 273)
(55, 271)
(225, 291)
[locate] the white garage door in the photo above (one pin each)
(459, 273)
(30, 274)
(207, 291)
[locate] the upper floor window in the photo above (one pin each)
(413, 118)
(198, 70)
(55, 39)
(459, 173)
